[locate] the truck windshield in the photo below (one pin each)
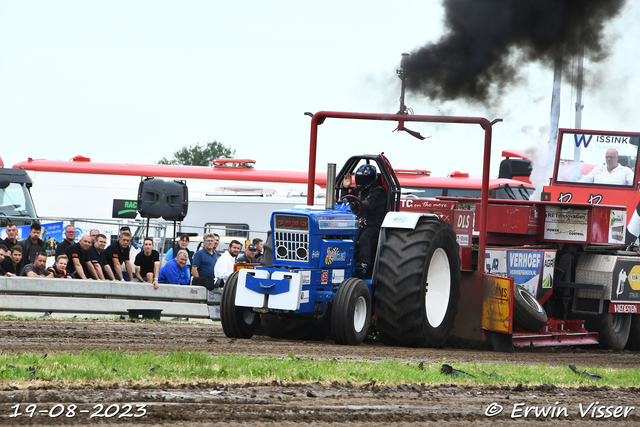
(597, 158)
(15, 200)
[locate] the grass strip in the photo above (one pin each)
(184, 367)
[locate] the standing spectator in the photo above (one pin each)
(204, 261)
(147, 263)
(260, 244)
(12, 236)
(224, 265)
(10, 264)
(96, 258)
(69, 239)
(94, 233)
(249, 256)
(77, 253)
(183, 244)
(134, 250)
(37, 268)
(59, 269)
(117, 254)
(175, 272)
(32, 245)
(4, 254)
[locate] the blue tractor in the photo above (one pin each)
(309, 284)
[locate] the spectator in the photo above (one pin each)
(12, 236)
(175, 272)
(69, 239)
(117, 254)
(134, 250)
(10, 264)
(37, 268)
(59, 268)
(249, 256)
(260, 244)
(32, 245)
(183, 244)
(77, 253)
(4, 254)
(96, 258)
(94, 233)
(204, 261)
(147, 263)
(224, 265)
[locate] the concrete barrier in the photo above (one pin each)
(34, 294)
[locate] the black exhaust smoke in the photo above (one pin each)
(486, 42)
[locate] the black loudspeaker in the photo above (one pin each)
(150, 197)
(176, 200)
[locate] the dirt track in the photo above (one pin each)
(292, 403)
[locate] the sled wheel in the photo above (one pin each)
(351, 312)
(527, 311)
(237, 322)
(633, 343)
(356, 204)
(418, 284)
(295, 328)
(613, 328)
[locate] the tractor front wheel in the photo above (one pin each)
(351, 312)
(237, 322)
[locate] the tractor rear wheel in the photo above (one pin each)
(613, 328)
(237, 322)
(527, 311)
(633, 343)
(418, 284)
(351, 312)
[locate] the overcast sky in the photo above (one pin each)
(133, 81)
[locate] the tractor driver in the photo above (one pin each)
(374, 208)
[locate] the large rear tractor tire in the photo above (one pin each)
(292, 328)
(237, 322)
(418, 285)
(351, 312)
(527, 311)
(633, 343)
(613, 328)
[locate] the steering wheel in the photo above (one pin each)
(356, 204)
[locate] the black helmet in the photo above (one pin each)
(366, 175)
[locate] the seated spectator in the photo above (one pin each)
(32, 245)
(11, 264)
(147, 263)
(95, 257)
(225, 264)
(4, 254)
(59, 268)
(260, 244)
(175, 272)
(249, 256)
(37, 268)
(117, 254)
(12, 236)
(204, 261)
(77, 253)
(69, 239)
(183, 244)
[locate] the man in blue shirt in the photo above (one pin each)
(204, 261)
(175, 272)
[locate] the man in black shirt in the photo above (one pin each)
(11, 263)
(12, 236)
(77, 254)
(147, 263)
(117, 254)
(32, 245)
(69, 239)
(95, 257)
